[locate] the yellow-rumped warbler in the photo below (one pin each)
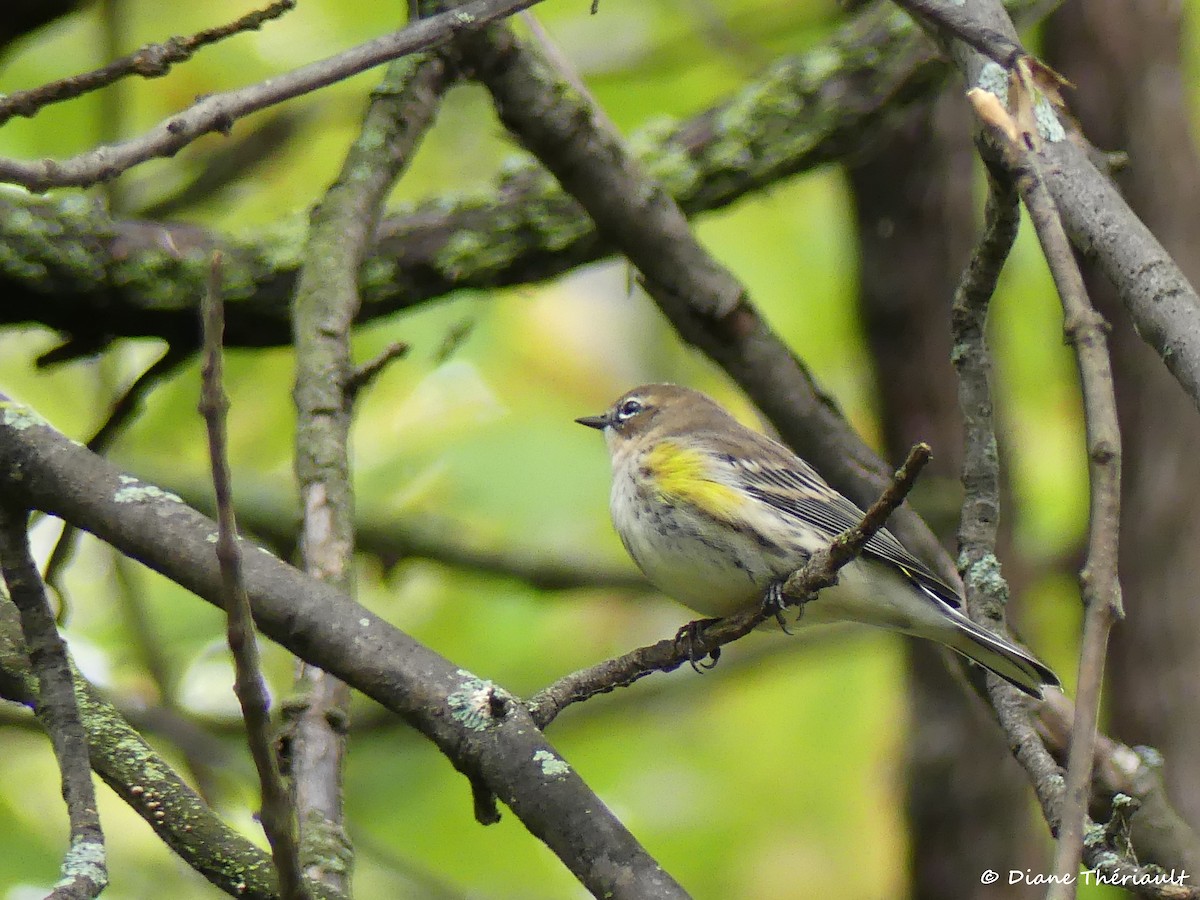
(714, 514)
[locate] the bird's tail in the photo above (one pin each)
(997, 655)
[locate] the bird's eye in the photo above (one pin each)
(629, 408)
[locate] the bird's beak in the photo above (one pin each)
(598, 422)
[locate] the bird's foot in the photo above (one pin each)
(689, 636)
(776, 603)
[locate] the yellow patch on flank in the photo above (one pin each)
(681, 474)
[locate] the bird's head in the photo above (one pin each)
(653, 409)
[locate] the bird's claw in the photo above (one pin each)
(689, 636)
(775, 603)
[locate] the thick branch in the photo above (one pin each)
(1161, 303)
(962, 23)
(143, 278)
(474, 722)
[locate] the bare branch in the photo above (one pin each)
(218, 112)
(84, 868)
(1159, 833)
(985, 588)
(705, 638)
(960, 22)
(1163, 306)
(147, 782)
(802, 112)
(474, 722)
(1085, 331)
(277, 816)
(151, 61)
(326, 305)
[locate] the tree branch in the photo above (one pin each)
(151, 61)
(277, 815)
(218, 112)
(960, 22)
(142, 278)
(1085, 331)
(1158, 833)
(1162, 304)
(327, 303)
(84, 868)
(985, 588)
(472, 721)
(147, 782)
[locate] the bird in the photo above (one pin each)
(717, 515)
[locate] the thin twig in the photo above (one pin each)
(364, 373)
(130, 402)
(806, 111)
(84, 868)
(703, 639)
(218, 112)
(277, 816)
(227, 164)
(1085, 331)
(151, 61)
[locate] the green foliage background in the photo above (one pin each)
(780, 774)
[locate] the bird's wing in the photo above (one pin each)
(794, 488)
